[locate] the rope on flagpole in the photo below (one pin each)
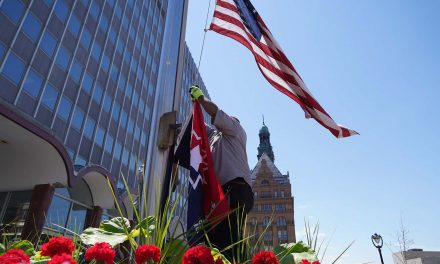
(204, 37)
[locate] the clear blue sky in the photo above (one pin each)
(375, 67)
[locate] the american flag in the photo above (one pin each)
(239, 20)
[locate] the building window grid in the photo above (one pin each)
(53, 62)
(27, 10)
(121, 74)
(94, 40)
(71, 61)
(9, 50)
(144, 120)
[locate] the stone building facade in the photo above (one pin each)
(273, 214)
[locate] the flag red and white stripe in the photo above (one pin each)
(230, 20)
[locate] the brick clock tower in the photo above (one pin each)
(273, 206)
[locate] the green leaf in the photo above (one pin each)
(42, 261)
(24, 245)
(305, 255)
(2, 249)
(116, 225)
(148, 226)
(92, 235)
(287, 252)
(216, 254)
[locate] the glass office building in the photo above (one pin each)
(86, 72)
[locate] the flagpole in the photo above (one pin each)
(203, 41)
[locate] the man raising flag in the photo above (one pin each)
(206, 199)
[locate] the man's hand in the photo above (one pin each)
(195, 92)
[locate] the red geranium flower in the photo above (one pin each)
(305, 261)
(62, 259)
(265, 257)
(101, 251)
(219, 261)
(14, 256)
(57, 246)
(198, 255)
(145, 253)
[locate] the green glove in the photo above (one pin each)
(195, 92)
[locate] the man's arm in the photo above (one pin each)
(220, 119)
(210, 107)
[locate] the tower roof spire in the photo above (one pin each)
(265, 146)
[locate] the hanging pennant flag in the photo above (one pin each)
(206, 199)
(239, 20)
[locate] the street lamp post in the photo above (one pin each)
(378, 242)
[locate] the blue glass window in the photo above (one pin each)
(32, 27)
(123, 119)
(130, 126)
(97, 94)
(2, 51)
(118, 11)
(50, 97)
(61, 10)
(121, 83)
(129, 91)
(118, 149)
(32, 84)
(138, 43)
(95, 10)
(134, 64)
(109, 144)
(13, 9)
(86, 38)
(13, 68)
(139, 75)
(143, 139)
(127, 56)
(137, 133)
(105, 63)
(132, 161)
(74, 25)
(136, 13)
(112, 35)
(130, 3)
(78, 118)
(125, 157)
(107, 103)
(114, 73)
(141, 105)
(125, 23)
(135, 98)
(48, 44)
(103, 24)
(80, 161)
(115, 111)
(49, 3)
(76, 71)
(64, 108)
(96, 51)
(89, 127)
(63, 58)
(120, 46)
(132, 34)
(111, 2)
(85, 2)
(87, 83)
(99, 137)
